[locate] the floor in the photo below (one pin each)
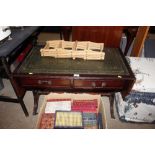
(12, 116)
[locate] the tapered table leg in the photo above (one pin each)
(36, 99)
(18, 91)
(111, 98)
(23, 107)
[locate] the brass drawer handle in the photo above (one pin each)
(103, 84)
(44, 82)
(93, 84)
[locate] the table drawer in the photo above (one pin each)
(98, 83)
(45, 82)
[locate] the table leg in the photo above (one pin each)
(18, 91)
(36, 99)
(130, 35)
(23, 106)
(111, 98)
(66, 31)
(130, 39)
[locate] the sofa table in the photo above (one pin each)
(47, 74)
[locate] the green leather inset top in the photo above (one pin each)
(111, 65)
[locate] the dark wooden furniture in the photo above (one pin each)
(44, 74)
(64, 31)
(109, 35)
(21, 39)
(130, 32)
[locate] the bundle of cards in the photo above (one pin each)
(58, 104)
(47, 121)
(68, 120)
(85, 105)
(90, 121)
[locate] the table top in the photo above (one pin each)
(113, 64)
(18, 36)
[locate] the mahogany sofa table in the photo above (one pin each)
(47, 74)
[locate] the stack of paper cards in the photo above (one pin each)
(47, 121)
(66, 119)
(85, 105)
(90, 121)
(58, 104)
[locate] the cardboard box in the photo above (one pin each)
(72, 96)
